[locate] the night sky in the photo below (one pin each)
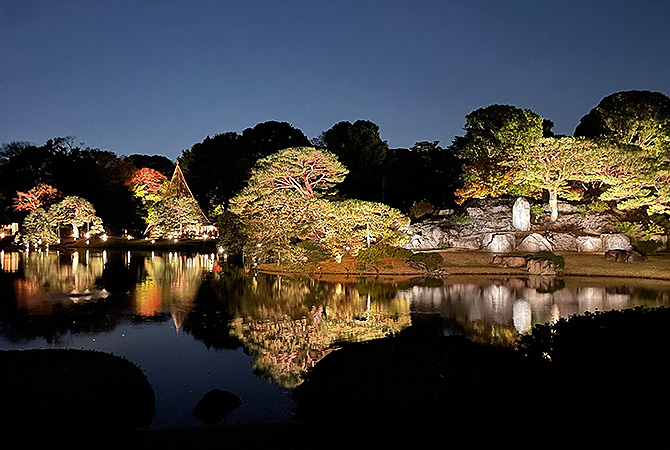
(156, 77)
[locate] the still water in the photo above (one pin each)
(192, 323)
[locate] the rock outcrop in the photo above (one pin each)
(489, 225)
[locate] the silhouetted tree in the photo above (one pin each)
(219, 166)
(360, 148)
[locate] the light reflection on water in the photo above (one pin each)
(194, 324)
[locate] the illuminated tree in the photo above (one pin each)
(636, 127)
(639, 118)
(351, 225)
(146, 183)
(286, 201)
(75, 212)
(493, 135)
(37, 196)
(283, 197)
(552, 163)
(636, 179)
(38, 228)
(175, 216)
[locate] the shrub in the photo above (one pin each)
(431, 260)
(559, 261)
(402, 253)
(461, 218)
(628, 228)
(598, 206)
(646, 247)
(375, 253)
(536, 211)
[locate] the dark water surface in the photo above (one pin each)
(192, 323)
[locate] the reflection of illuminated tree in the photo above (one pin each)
(171, 285)
(289, 324)
(54, 274)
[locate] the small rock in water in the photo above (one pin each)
(215, 406)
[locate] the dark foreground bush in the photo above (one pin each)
(73, 391)
(588, 368)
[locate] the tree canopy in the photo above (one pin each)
(288, 200)
(492, 135)
(360, 148)
(552, 163)
(218, 167)
(635, 128)
(639, 118)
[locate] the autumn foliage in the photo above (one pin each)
(35, 197)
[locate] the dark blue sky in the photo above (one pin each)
(155, 77)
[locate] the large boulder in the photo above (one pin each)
(498, 243)
(624, 256)
(535, 243)
(215, 406)
(616, 242)
(562, 242)
(589, 244)
(467, 243)
(509, 261)
(427, 235)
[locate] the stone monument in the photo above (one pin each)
(521, 214)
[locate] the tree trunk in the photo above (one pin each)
(75, 231)
(553, 204)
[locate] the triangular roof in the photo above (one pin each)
(179, 188)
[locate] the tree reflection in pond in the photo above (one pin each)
(290, 323)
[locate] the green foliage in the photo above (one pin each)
(598, 206)
(646, 247)
(552, 164)
(431, 260)
(175, 216)
(360, 148)
(38, 228)
(352, 225)
(492, 135)
(402, 253)
(638, 118)
(231, 237)
(76, 212)
(460, 218)
(286, 201)
(628, 228)
(536, 211)
(375, 253)
(313, 252)
(559, 261)
(642, 236)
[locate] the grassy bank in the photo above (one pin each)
(576, 264)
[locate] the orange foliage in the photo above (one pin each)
(35, 197)
(150, 178)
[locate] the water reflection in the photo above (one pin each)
(496, 310)
(287, 323)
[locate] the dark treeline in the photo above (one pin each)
(97, 175)
(219, 166)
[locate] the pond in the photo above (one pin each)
(193, 323)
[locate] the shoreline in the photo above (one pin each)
(477, 263)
